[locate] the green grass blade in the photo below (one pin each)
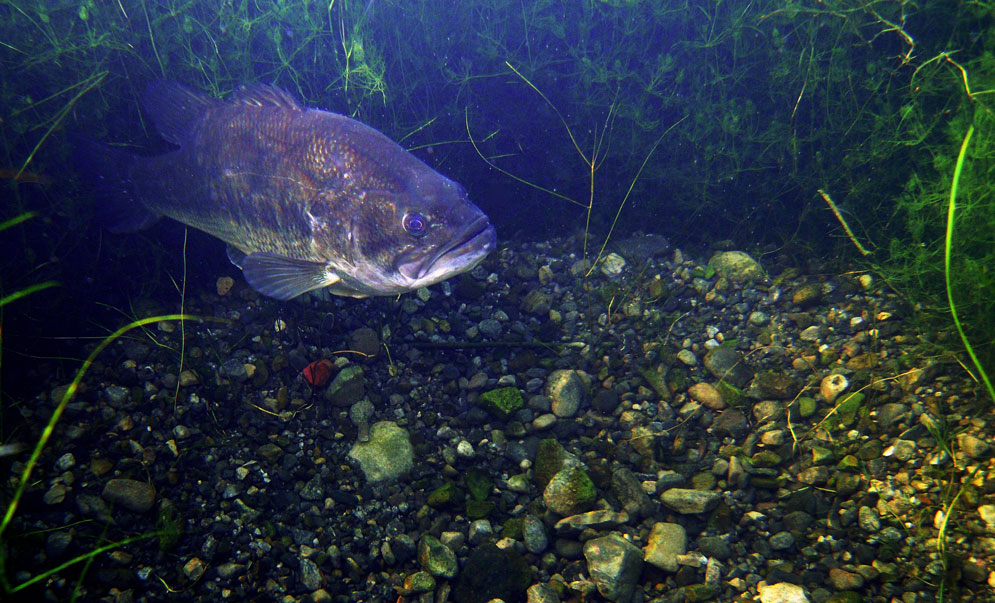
(951, 209)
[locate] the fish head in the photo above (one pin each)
(403, 239)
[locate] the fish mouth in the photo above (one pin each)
(465, 251)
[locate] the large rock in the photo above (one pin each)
(736, 266)
(570, 492)
(387, 455)
(493, 573)
(348, 386)
(727, 364)
(666, 542)
(566, 389)
(614, 565)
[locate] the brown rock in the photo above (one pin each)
(707, 395)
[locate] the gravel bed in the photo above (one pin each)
(660, 429)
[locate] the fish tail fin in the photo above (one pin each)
(106, 170)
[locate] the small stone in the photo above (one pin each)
(66, 462)
(224, 285)
(869, 520)
(55, 495)
(569, 492)
(686, 501)
(807, 294)
(726, 364)
(418, 582)
(271, 452)
(566, 389)
(666, 542)
(194, 569)
(188, 378)
(783, 592)
(131, 494)
(687, 357)
(534, 535)
(973, 446)
(844, 580)
(707, 395)
(436, 558)
(781, 541)
(544, 421)
(832, 386)
(542, 593)
(614, 565)
(234, 369)
(736, 266)
(810, 334)
(502, 402)
(612, 265)
(348, 387)
(311, 576)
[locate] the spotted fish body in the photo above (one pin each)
(304, 198)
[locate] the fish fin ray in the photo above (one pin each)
(175, 109)
(236, 256)
(284, 278)
(264, 95)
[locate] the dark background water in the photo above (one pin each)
(723, 118)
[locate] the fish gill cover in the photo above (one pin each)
(823, 136)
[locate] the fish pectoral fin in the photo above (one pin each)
(284, 278)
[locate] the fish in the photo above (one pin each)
(306, 199)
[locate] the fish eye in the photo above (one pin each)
(414, 223)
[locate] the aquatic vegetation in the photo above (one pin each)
(24, 479)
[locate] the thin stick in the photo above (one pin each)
(846, 226)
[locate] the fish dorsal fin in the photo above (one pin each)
(284, 278)
(175, 109)
(264, 95)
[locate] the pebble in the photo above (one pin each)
(736, 266)
(782, 592)
(55, 495)
(614, 565)
(844, 580)
(436, 558)
(666, 542)
(569, 492)
(687, 357)
(544, 421)
(131, 494)
(686, 501)
(565, 389)
(65, 462)
(194, 569)
(188, 378)
(534, 535)
(707, 395)
(832, 386)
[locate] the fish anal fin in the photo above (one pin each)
(285, 278)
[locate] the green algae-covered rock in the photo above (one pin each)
(550, 458)
(570, 491)
(502, 401)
